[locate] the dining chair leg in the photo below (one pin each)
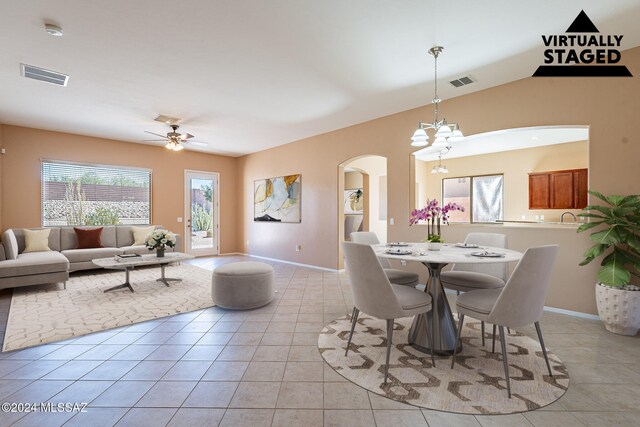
(544, 349)
(505, 362)
(482, 331)
(460, 322)
(389, 338)
(354, 319)
(493, 339)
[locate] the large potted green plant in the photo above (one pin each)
(616, 238)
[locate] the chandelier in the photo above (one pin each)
(440, 168)
(446, 133)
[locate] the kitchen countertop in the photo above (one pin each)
(572, 223)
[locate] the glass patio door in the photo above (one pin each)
(201, 213)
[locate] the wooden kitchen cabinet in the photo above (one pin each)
(539, 191)
(566, 189)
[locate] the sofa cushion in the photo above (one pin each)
(54, 238)
(36, 240)
(10, 244)
(69, 240)
(34, 263)
(88, 238)
(81, 255)
(140, 234)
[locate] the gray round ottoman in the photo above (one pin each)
(242, 285)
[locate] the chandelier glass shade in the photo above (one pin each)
(445, 133)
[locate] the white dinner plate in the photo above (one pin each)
(398, 252)
(486, 254)
(466, 245)
(398, 244)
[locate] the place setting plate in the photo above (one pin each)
(398, 252)
(487, 254)
(398, 244)
(466, 245)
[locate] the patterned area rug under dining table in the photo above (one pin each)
(49, 313)
(475, 386)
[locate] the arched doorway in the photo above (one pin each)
(362, 198)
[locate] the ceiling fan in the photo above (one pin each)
(175, 140)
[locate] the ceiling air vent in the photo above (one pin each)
(36, 73)
(462, 81)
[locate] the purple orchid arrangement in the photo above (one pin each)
(433, 214)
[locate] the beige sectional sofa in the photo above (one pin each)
(36, 268)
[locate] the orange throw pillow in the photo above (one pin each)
(89, 238)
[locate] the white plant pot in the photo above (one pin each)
(432, 246)
(618, 309)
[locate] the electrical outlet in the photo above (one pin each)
(247, 243)
(298, 248)
(179, 219)
(392, 221)
(403, 262)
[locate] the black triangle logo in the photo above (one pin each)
(582, 24)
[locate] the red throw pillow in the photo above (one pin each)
(89, 238)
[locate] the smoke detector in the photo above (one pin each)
(53, 30)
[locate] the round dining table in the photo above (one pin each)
(444, 328)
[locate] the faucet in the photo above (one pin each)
(564, 213)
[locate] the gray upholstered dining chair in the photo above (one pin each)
(396, 276)
(374, 295)
(469, 277)
(519, 303)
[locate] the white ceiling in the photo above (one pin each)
(246, 75)
(507, 140)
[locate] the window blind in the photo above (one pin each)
(82, 194)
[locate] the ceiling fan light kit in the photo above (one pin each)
(175, 140)
(446, 133)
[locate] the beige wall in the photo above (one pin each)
(25, 147)
(352, 180)
(515, 165)
(608, 105)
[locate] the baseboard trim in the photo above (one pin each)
(231, 254)
(555, 310)
(333, 270)
(572, 313)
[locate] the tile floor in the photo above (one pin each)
(262, 367)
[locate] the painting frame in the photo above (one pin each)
(350, 206)
(278, 199)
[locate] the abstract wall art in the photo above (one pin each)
(354, 201)
(277, 199)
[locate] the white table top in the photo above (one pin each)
(149, 259)
(449, 254)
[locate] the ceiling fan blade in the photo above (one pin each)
(186, 136)
(153, 140)
(157, 134)
(199, 143)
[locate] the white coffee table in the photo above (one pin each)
(151, 259)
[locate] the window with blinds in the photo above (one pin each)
(83, 194)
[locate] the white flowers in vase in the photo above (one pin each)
(160, 240)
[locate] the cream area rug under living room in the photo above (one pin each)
(49, 313)
(475, 386)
